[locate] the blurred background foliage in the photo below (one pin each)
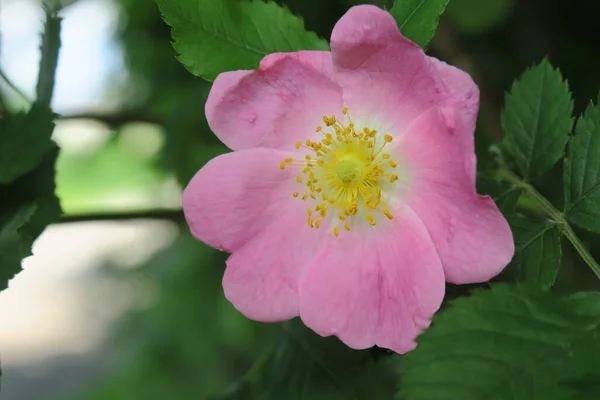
(189, 342)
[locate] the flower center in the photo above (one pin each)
(343, 175)
(349, 168)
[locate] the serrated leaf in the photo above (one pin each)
(24, 140)
(537, 120)
(49, 58)
(582, 172)
(418, 19)
(510, 342)
(213, 36)
(28, 206)
(537, 251)
(305, 366)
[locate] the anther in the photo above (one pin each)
(370, 220)
(336, 232)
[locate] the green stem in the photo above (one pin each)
(556, 215)
(49, 59)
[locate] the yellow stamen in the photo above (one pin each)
(344, 171)
(387, 213)
(370, 220)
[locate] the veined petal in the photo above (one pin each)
(261, 278)
(277, 105)
(236, 196)
(388, 80)
(470, 234)
(378, 289)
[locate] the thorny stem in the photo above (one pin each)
(556, 215)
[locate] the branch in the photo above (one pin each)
(50, 48)
(165, 214)
(557, 216)
(116, 120)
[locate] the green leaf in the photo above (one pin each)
(537, 251)
(418, 19)
(537, 120)
(24, 140)
(305, 366)
(582, 172)
(510, 342)
(29, 205)
(49, 58)
(213, 36)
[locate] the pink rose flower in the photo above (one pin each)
(350, 196)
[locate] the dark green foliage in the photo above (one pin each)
(213, 36)
(582, 172)
(304, 366)
(28, 206)
(537, 251)
(24, 140)
(510, 342)
(537, 120)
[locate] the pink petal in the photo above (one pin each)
(236, 195)
(261, 279)
(388, 80)
(377, 289)
(277, 105)
(470, 234)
